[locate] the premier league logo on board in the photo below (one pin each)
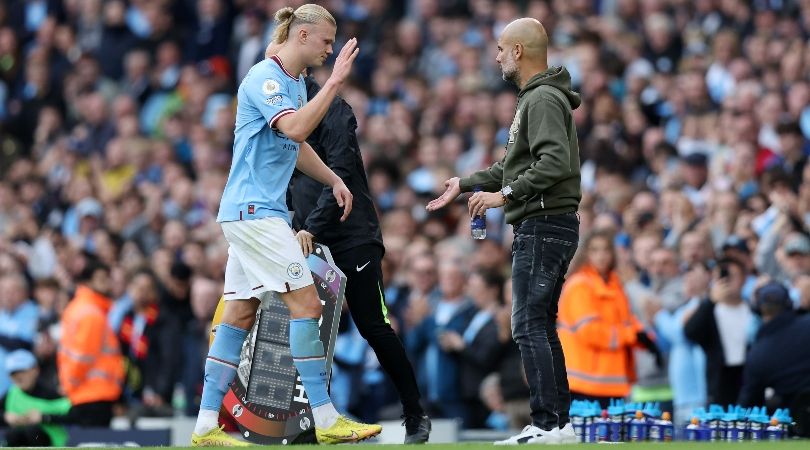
(305, 423)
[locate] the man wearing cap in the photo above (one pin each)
(780, 357)
(794, 257)
(31, 409)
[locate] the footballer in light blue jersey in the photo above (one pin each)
(263, 157)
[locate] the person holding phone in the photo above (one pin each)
(723, 325)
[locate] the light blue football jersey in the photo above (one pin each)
(263, 157)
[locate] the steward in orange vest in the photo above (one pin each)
(596, 326)
(90, 366)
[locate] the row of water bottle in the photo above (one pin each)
(620, 422)
(637, 422)
(738, 424)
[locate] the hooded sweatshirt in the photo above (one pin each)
(542, 155)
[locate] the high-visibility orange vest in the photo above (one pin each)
(597, 331)
(89, 360)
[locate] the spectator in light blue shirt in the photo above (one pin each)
(18, 320)
(687, 361)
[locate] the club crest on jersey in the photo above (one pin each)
(270, 87)
(295, 271)
(300, 102)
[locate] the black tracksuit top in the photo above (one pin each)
(315, 207)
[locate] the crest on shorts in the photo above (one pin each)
(295, 271)
(270, 87)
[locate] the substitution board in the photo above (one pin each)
(267, 399)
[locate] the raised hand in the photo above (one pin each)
(344, 61)
(453, 190)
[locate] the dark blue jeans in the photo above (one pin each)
(542, 249)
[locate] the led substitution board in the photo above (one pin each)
(267, 399)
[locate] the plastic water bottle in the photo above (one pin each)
(784, 421)
(638, 428)
(667, 428)
(757, 422)
(577, 421)
(737, 426)
(179, 400)
(478, 225)
(616, 412)
(601, 427)
(693, 430)
(714, 427)
(654, 433)
(774, 431)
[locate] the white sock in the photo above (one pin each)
(207, 420)
(325, 415)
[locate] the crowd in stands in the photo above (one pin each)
(116, 133)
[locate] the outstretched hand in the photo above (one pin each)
(453, 190)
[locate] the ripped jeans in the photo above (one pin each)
(541, 252)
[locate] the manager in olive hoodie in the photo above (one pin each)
(538, 184)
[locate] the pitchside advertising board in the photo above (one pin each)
(267, 399)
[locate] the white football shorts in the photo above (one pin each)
(263, 255)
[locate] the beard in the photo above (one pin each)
(510, 73)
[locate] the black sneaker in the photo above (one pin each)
(417, 428)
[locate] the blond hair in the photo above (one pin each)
(308, 13)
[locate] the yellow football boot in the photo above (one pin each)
(346, 430)
(216, 437)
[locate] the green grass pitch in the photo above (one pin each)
(783, 445)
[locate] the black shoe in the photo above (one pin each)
(417, 428)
